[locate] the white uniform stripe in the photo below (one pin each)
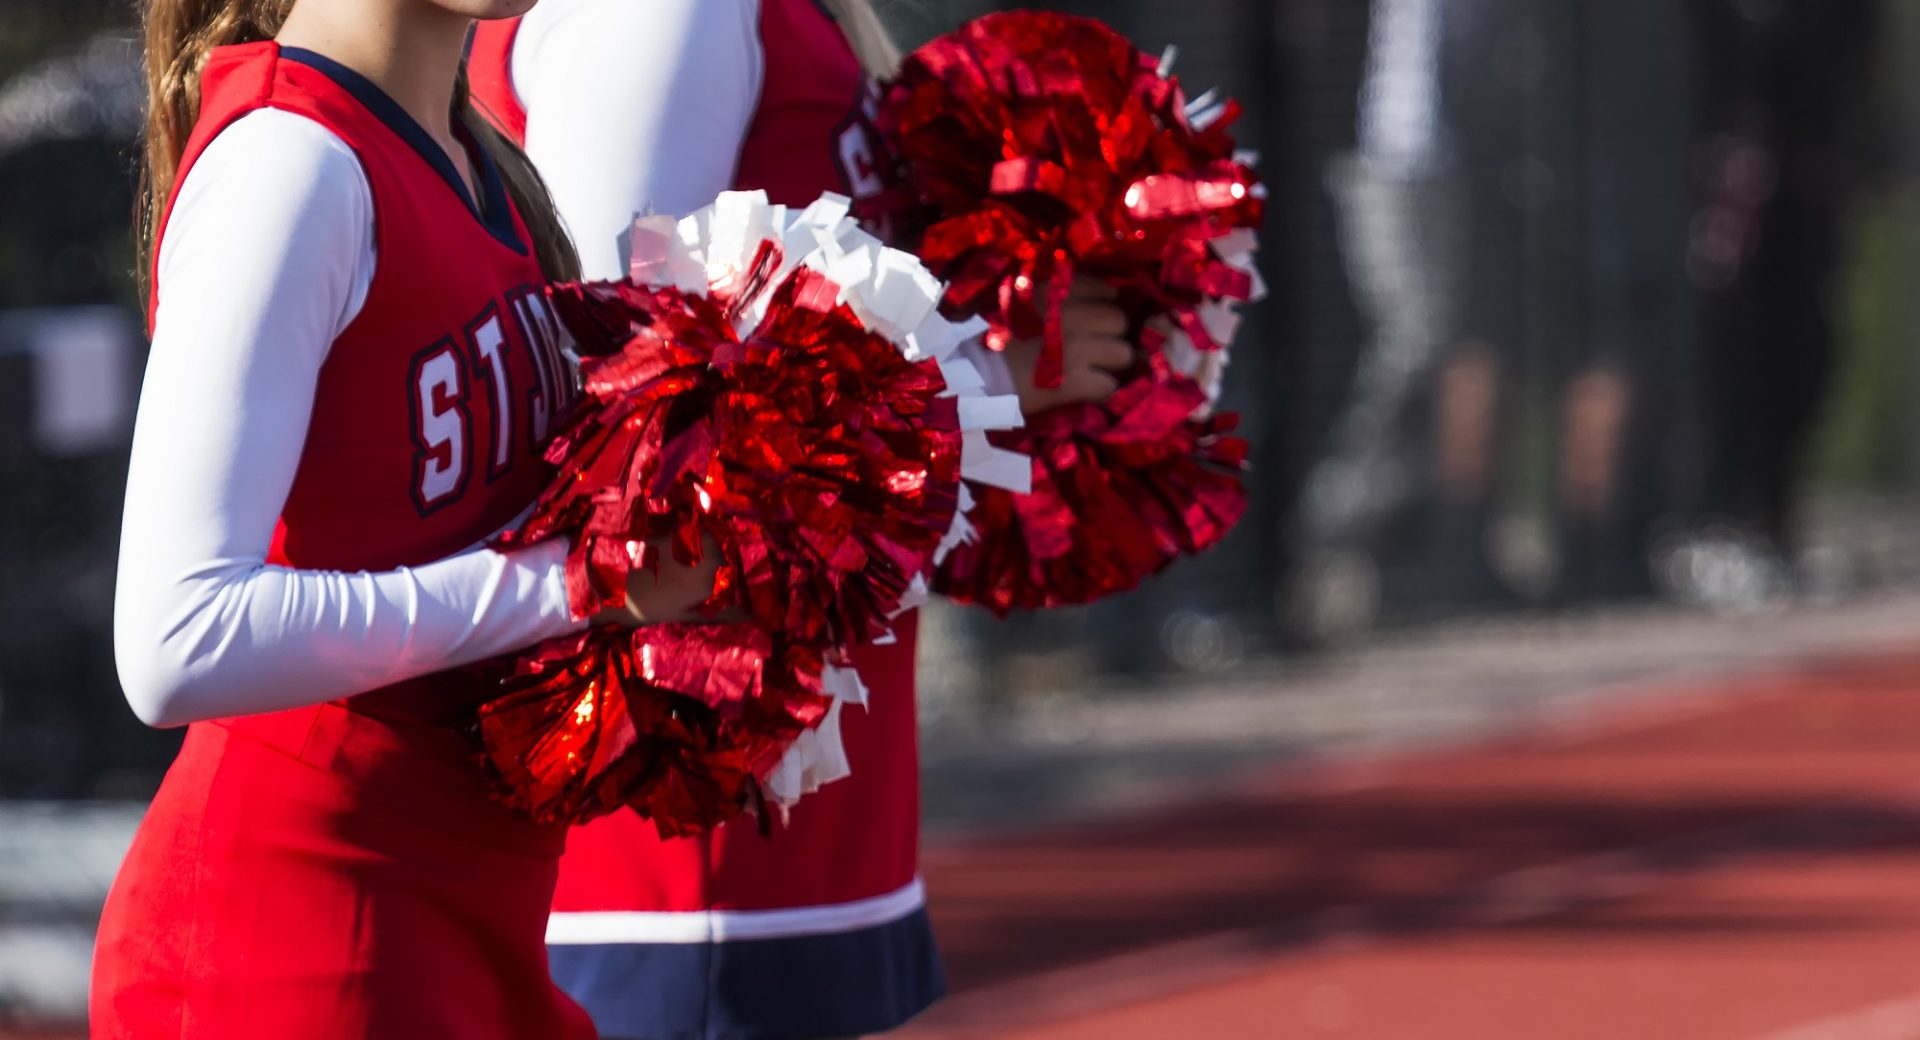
(601, 928)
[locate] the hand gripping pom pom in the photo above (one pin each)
(1032, 146)
(782, 386)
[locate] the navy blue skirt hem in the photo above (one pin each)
(809, 987)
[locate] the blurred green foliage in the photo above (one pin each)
(1866, 434)
(1869, 436)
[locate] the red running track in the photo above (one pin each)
(1732, 862)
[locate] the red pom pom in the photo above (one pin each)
(680, 723)
(738, 397)
(823, 464)
(1036, 145)
(1121, 489)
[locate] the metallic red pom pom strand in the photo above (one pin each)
(679, 723)
(822, 464)
(1035, 145)
(1121, 489)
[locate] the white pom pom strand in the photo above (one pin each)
(1237, 249)
(817, 758)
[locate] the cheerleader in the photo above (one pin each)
(352, 374)
(819, 929)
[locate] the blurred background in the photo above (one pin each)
(1581, 414)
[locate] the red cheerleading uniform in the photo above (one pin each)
(340, 871)
(819, 929)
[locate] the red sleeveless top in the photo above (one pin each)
(858, 838)
(434, 404)
(812, 132)
(821, 928)
(340, 870)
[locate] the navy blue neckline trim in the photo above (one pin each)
(494, 212)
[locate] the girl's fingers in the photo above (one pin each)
(1079, 384)
(1088, 384)
(672, 593)
(1101, 352)
(1092, 319)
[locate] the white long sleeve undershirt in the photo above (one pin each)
(635, 106)
(267, 257)
(642, 106)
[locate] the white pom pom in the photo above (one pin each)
(983, 463)
(819, 756)
(844, 684)
(660, 256)
(1237, 249)
(989, 413)
(962, 533)
(735, 226)
(1205, 110)
(937, 337)
(917, 593)
(816, 759)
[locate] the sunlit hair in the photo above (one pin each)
(179, 36)
(871, 41)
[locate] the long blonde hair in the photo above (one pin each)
(180, 34)
(879, 55)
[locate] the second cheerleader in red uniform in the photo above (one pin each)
(631, 106)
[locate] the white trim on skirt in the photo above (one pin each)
(610, 927)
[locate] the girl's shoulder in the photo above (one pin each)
(274, 161)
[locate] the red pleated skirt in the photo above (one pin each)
(322, 874)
